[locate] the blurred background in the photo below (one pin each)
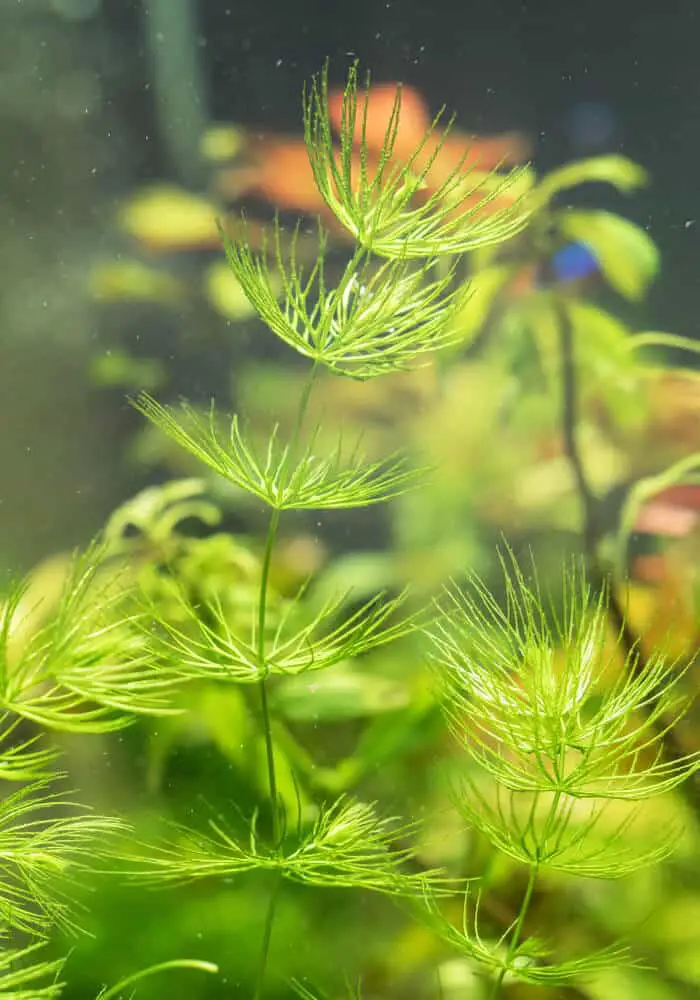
(125, 128)
(102, 97)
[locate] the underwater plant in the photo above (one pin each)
(68, 664)
(521, 694)
(558, 715)
(379, 318)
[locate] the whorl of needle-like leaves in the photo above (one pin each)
(380, 316)
(21, 979)
(46, 842)
(81, 665)
(347, 847)
(542, 700)
(533, 961)
(545, 704)
(204, 643)
(546, 701)
(281, 476)
(376, 202)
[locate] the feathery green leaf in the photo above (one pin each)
(283, 478)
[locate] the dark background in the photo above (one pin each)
(500, 64)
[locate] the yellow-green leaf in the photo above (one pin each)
(623, 174)
(339, 693)
(602, 351)
(627, 255)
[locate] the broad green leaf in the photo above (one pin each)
(338, 694)
(360, 575)
(623, 174)
(627, 255)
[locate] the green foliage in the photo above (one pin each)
(282, 478)
(376, 320)
(627, 255)
(84, 668)
(20, 980)
(348, 846)
(525, 693)
(377, 205)
(528, 699)
(623, 174)
(565, 727)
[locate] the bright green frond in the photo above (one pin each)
(204, 643)
(347, 847)
(527, 694)
(46, 842)
(20, 980)
(379, 318)
(283, 478)
(532, 961)
(23, 759)
(84, 667)
(377, 202)
(561, 832)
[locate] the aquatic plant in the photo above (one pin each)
(522, 694)
(557, 717)
(71, 664)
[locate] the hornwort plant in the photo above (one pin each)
(558, 718)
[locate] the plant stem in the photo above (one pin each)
(303, 407)
(277, 825)
(517, 932)
(267, 936)
(570, 419)
(267, 735)
(591, 535)
(262, 688)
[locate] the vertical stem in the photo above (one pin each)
(591, 532)
(267, 937)
(517, 932)
(269, 745)
(590, 528)
(570, 418)
(277, 825)
(264, 707)
(303, 407)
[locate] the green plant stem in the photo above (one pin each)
(514, 942)
(591, 536)
(262, 686)
(267, 936)
(570, 419)
(272, 531)
(303, 407)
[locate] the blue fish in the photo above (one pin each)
(573, 262)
